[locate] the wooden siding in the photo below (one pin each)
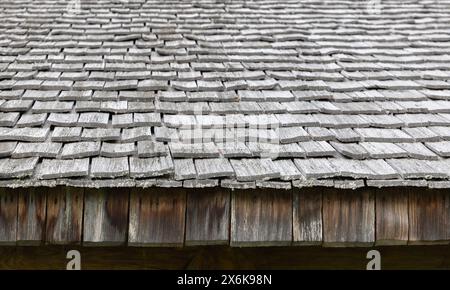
(157, 217)
(349, 217)
(261, 218)
(207, 217)
(216, 216)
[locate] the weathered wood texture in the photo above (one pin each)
(157, 217)
(429, 216)
(391, 217)
(307, 216)
(8, 216)
(207, 217)
(105, 216)
(64, 215)
(176, 217)
(261, 218)
(31, 216)
(349, 217)
(224, 257)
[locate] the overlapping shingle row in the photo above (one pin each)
(230, 93)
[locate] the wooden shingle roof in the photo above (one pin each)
(201, 93)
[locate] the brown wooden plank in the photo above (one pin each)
(261, 218)
(64, 215)
(31, 215)
(307, 216)
(348, 217)
(105, 216)
(391, 216)
(429, 216)
(224, 257)
(157, 217)
(207, 216)
(8, 216)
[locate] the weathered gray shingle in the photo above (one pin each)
(184, 169)
(254, 169)
(150, 167)
(383, 135)
(288, 171)
(201, 150)
(100, 134)
(6, 148)
(351, 150)
(317, 148)
(31, 120)
(93, 119)
(66, 134)
(383, 150)
(24, 134)
(150, 148)
(102, 167)
(213, 168)
(117, 149)
(414, 168)
(55, 168)
(80, 150)
(8, 119)
(17, 168)
(441, 148)
(47, 149)
(316, 168)
(146, 119)
(136, 134)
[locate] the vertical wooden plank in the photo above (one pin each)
(348, 217)
(391, 216)
(64, 215)
(261, 218)
(8, 216)
(429, 216)
(208, 216)
(31, 215)
(105, 216)
(307, 216)
(157, 217)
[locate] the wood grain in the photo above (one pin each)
(348, 217)
(8, 216)
(105, 216)
(207, 217)
(307, 216)
(391, 216)
(31, 216)
(157, 217)
(429, 216)
(261, 218)
(64, 215)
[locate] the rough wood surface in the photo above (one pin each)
(8, 216)
(157, 217)
(64, 215)
(105, 216)
(31, 216)
(391, 217)
(261, 218)
(429, 216)
(307, 216)
(348, 217)
(207, 217)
